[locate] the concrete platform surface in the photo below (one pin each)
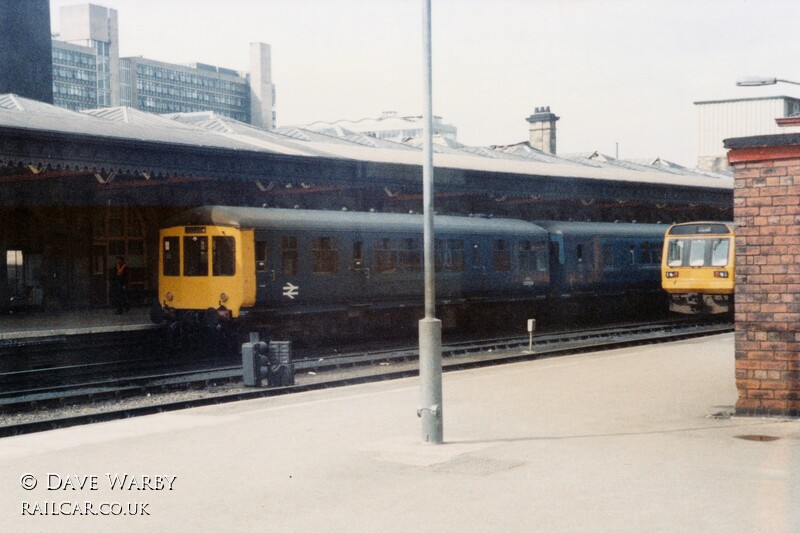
(622, 440)
(37, 324)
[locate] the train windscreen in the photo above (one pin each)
(698, 252)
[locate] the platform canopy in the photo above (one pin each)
(175, 159)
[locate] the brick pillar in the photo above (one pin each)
(767, 216)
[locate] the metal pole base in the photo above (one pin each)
(430, 377)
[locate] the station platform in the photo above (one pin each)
(637, 439)
(45, 324)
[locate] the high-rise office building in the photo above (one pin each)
(96, 28)
(88, 73)
(158, 87)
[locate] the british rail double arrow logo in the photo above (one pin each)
(290, 291)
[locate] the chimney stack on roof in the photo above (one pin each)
(543, 129)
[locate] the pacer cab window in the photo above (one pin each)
(195, 256)
(701, 252)
(224, 252)
(719, 252)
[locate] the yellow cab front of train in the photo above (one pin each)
(208, 270)
(697, 267)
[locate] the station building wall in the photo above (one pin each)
(56, 258)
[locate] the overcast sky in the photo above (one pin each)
(615, 71)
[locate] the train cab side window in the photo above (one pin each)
(675, 253)
(172, 257)
(719, 252)
(224, 256)
(262, 257)
(289, 255)
(195, 256)
(324, 255)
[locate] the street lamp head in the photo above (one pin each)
(755, 81)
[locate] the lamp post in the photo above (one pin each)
(430, 329)
(759, 81)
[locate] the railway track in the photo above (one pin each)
(48, 407)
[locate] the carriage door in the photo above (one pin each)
(266, 275)
(476, 266)
(358, 271)
(277, 269)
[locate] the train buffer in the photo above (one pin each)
(267, 361)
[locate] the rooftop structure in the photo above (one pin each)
(738, 117)
(217, 131)
(390, 126)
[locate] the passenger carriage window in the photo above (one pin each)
(324, 255)
(397, 255)
(385, 256)
(526, 256)
(262, 257)
(409, 256)
(651, 253)
(195, 256)
(289, 256)
(223, 250)
(171, 255)
(501, 256)
(647, 253)
(655, 252)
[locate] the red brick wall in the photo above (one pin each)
(767, 214)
